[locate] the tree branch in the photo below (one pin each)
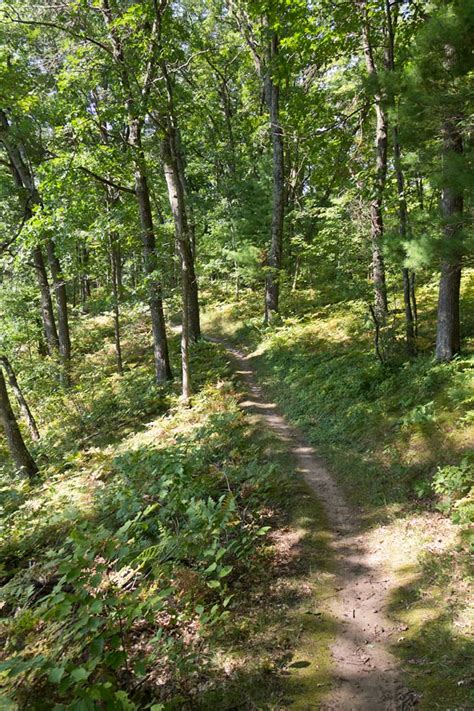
(62, 28)
(106, 181)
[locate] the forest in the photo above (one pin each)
(236, 353)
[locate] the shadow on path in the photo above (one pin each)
(365, 674)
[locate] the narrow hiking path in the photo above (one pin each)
(365, 674)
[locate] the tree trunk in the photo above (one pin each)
(376, 204)
(448, 324)
(47, 312)
(413, 302)
(85, 281)
(402, 203)
(176, 196)
(19, 453)
(160, 342)
(114, 258)
(175, 175)
(188, 278)
(272, 281)
(29, 198)
(25, 410)
(117, 255)
(61, 300)
(59, 286)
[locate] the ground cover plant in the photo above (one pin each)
(118, 568)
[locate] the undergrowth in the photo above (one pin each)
(398, 438)
(394, 433)
(121, 567)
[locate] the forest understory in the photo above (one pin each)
(236, 355)
(181, 561)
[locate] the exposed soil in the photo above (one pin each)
(365, 673)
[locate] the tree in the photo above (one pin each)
(20, 455)
(23, 405)
(29, 199)
(408, 279)
(265, 51)
(380, 172)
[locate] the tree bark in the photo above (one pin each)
(188, 278)
(448, 323)
(402, 203)
(274, 259)
(376, 203)
(47, 312)
(116, 302)
(136, 110)
(23, 460)
(23, 178)
(25, 410)
(176, 196)
(175, 175)
(59, 286)
(160, 342)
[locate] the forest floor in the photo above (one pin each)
(372, 442)
(225, 579)
(365, 674)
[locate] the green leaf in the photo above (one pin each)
(96, 607)
(225, 571)
(56, 674)
(79, 674)
(96, 647)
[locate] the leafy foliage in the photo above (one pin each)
(114, 600)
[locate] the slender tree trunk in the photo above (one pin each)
(114, 257)
(42, 347)
(160, 341)
(135, 113)
(413, 302)
(448, 324)
(117, 255)
(402, 203)
(25, 410)
(175, 175)
(185, 336)
(61, 300)
(176, 198)
(62, 307)
(296, 272)
(29, 198)
(376, 204)
(272, 281)
(46, 303)
(408, 285)
(85, 281)
(19, 453)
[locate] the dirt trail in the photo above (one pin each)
(365, 674)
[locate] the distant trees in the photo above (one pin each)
(145, 147)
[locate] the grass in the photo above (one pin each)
(383, 428)
(398, 438)
(158, 547)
